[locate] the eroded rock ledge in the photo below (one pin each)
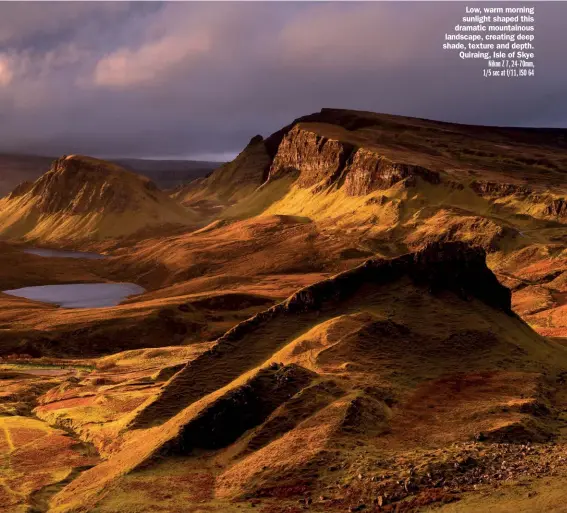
(552, 207)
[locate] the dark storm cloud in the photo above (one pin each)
(189, 79)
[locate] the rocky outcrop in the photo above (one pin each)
(314, 157)
(453, 266)
(370, 171)
(450, 225)
(323, 161)
(498, 189)
(350, 120)
(554, 207)
(557, 208)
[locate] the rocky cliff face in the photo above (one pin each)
(324, 161)
(315, 158)
(369, 171)
(453, 266)
(552, 207)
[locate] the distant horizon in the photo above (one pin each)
(220, 158)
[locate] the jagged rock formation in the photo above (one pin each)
(369, 171)
(82, 199)
(550, 207)
(500, 190)
(418, 162)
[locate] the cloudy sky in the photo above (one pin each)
(197, 80)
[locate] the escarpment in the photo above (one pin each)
(362, 153)
(369, 171)
(550, 206)
(324, 161)
(314, 157)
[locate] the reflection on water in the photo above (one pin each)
(59, 253)
(80, 295)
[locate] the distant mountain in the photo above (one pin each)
(167, 174)
(82, 198)
(361, 153)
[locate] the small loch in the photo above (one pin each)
(59, 253)
(79, 295)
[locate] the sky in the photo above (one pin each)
(198, 80)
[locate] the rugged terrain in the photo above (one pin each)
(361, 312)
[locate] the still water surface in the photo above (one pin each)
(79, 295)
(59, 253)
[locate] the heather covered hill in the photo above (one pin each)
(81, 199)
